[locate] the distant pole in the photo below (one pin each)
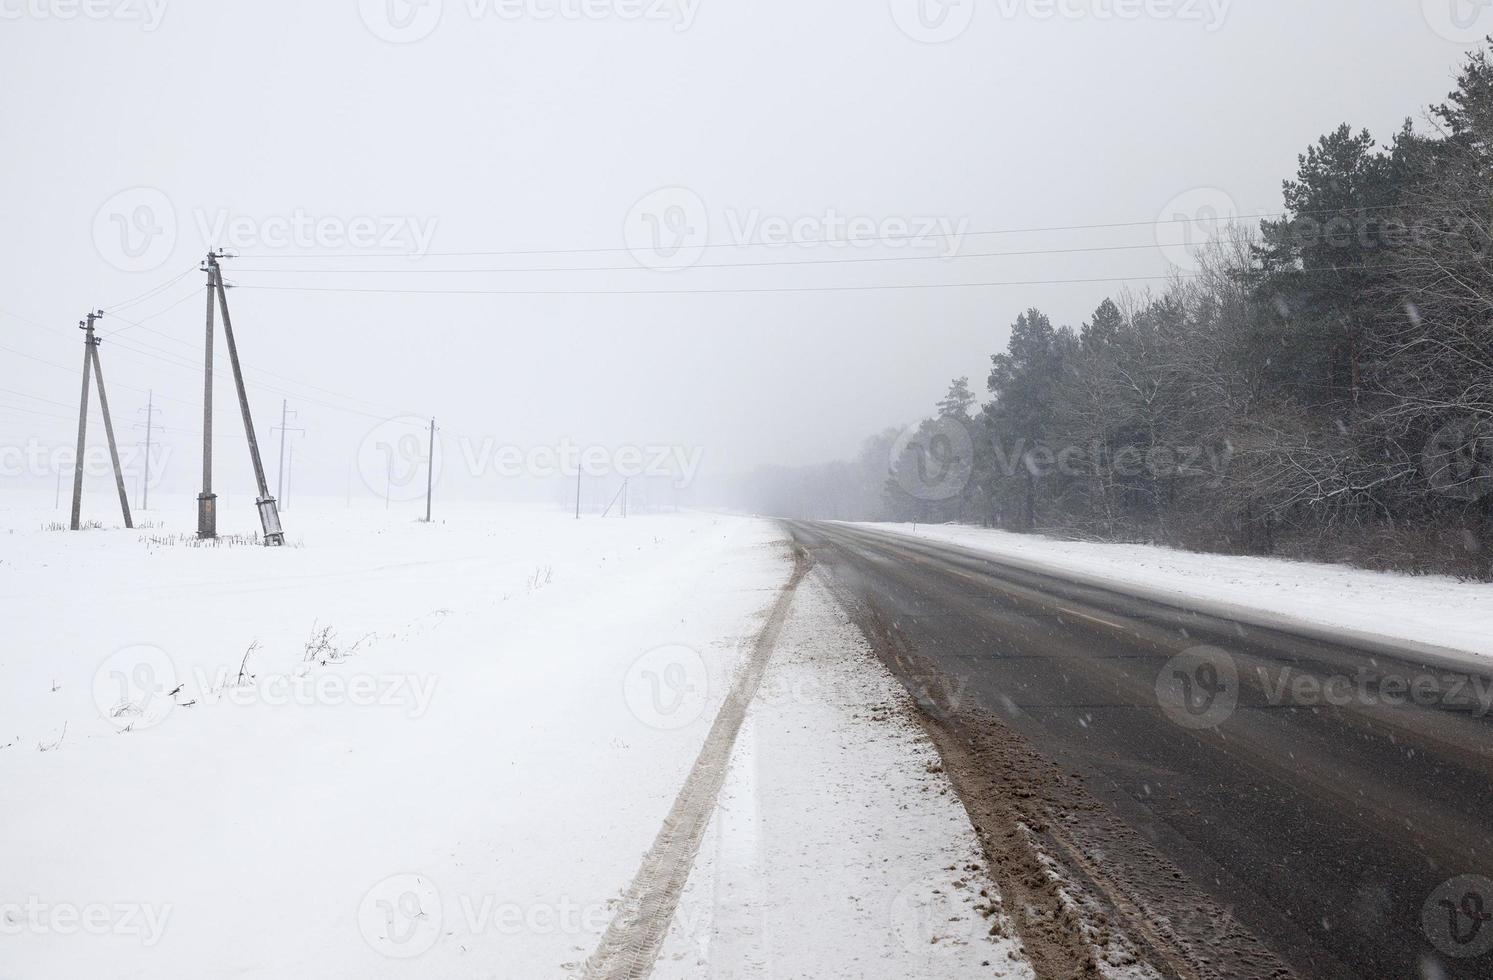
(103, 404)
(280, 477)
(207, 501)
(283, 428)
(429, 470)
(82, 434)
(150, 418)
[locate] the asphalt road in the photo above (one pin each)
(1288, 776)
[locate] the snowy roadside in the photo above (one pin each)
(459, 796)
(1434, 611)
(461, 779)
(838, 848)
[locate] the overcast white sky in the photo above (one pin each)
(139, 133)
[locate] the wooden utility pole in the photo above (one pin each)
(269, 515)
(429, 470)
(207, 501)
(91, 364)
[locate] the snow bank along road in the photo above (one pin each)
(1242, 799)
(400, 750)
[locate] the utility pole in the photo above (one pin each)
(150, 420)
(207, 501)
(429, 470)
(269, 515)
(285, 416)
(91, 360)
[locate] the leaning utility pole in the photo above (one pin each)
(91, 361)
(269, 515)
(285, 415)
(429, 470)
(150, 421)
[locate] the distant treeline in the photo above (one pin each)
(1323, 389)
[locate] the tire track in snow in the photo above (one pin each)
(630, 946)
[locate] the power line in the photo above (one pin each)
(843, 241)
(688, 292)
(731, 265)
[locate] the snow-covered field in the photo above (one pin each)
(1431, 611)
(407, 750)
